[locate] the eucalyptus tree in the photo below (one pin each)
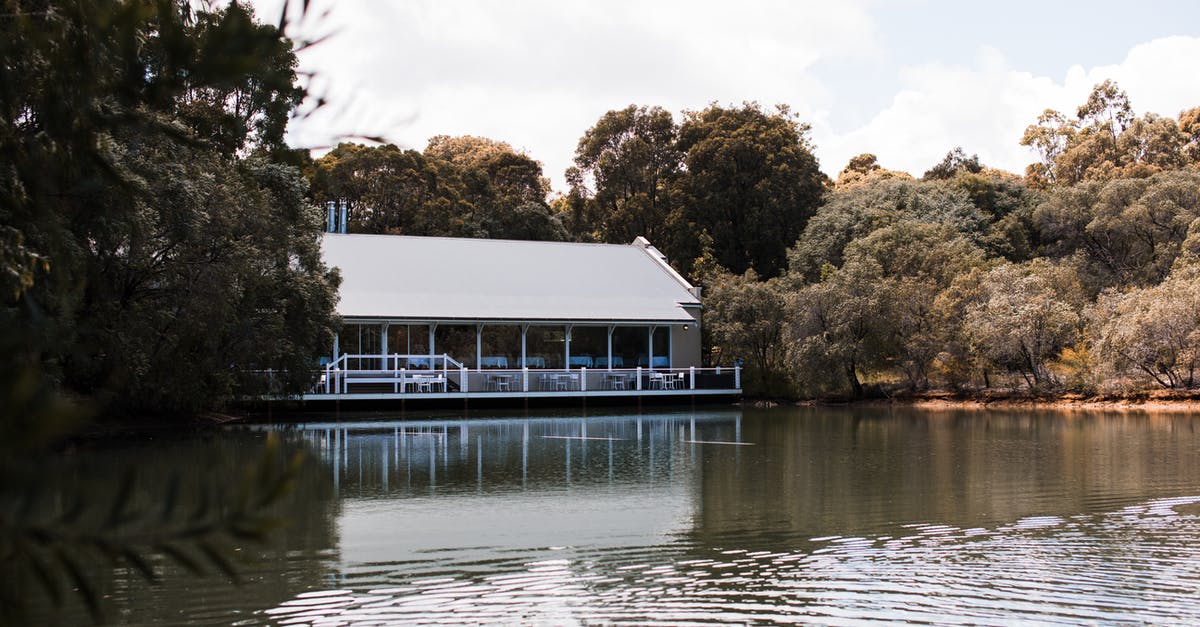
(625, 167)
(1026, 316)
(1107, 141)
(751, 181)
(1152, 331)
(1128, 231)
(747, 318)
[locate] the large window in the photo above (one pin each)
(501, 346)
(629, 346)
(408, 339)
(457, 341)
(544, 346)
(589, 345)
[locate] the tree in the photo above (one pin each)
(161, 249)
(844, 325)
(956, 161)
(1153, 330)
(751, 181)
(459, 187)
(745, 318)
(1129, 231)
(630, 157)
(1106, 141)
(857, 211)
(1029, 313)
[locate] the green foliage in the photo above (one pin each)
(844, 326)
(1027, 315)
(631, 160)
(1153, 331)
(1107, 141)
(1128, 231)
(157, 246)
(955, 162)
(747, 318)
(459, 187)
(857, 211)
(751, 180)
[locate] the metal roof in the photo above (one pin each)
(442, 278)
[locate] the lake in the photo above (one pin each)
(710, 515)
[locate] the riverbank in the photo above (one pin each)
(1145, 401)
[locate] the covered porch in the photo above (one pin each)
(496, 359)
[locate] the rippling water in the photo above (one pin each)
(780, 516)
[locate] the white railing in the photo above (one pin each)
(454, 377)
(419, 371)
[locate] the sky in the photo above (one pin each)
(906, 80)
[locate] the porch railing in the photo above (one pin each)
(452, 376)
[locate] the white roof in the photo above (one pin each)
(442, 278)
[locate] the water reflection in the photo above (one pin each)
(767, 516)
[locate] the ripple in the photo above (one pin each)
(1120, 567)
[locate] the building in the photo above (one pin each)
(452, 317)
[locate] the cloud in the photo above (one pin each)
(985, 106)
(538, 73)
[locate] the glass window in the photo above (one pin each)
(588, 344)
(457, 341)
(544, 346)
(629, 347)
(501, 346)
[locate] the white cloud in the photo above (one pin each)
(539, 73)
(985, 106)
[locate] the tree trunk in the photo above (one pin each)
(852, 377)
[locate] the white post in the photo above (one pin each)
(610, 332)
(432, 326)
(692, 375)
(639, 377)
(737, 377)
(478, 346)
(383, 347)
(583, 379)
(463, 373)
(524, 332)
(337, 349)
(524, 377)
(567, 347)
(403, 376)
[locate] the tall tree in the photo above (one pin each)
(1105, 141)
(162, 249)
(630, 160)
(956, 161)
(751, 181)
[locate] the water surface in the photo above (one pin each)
(707, 516)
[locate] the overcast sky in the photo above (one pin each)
(906, 80)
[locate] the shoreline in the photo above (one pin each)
(1164, 401)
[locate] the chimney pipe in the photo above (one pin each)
(329, 206)
(342, 224)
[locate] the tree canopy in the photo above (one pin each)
(156, 248)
